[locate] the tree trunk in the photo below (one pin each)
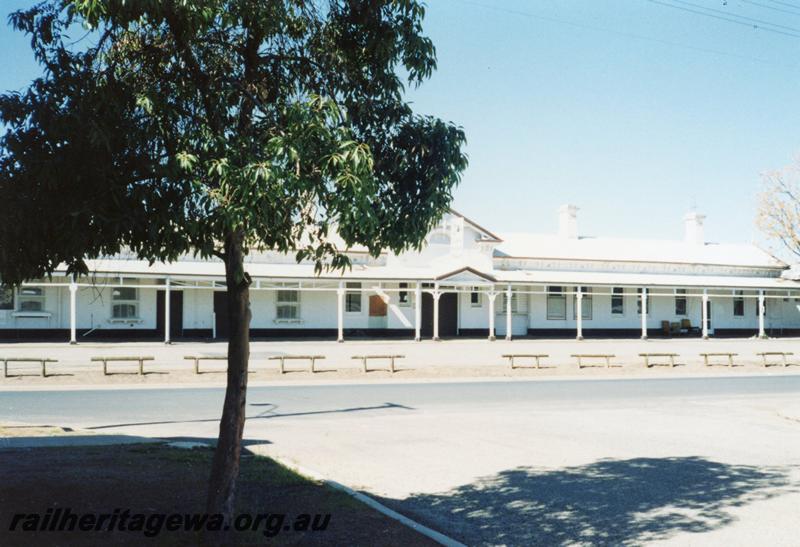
(225, 469)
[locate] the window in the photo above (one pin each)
(6, 298)
(556, 303)
(124, 303)
(31, 299)
(617, 301)
(475, 299)
(680, 301)
(352, 299)
(287, 305)
(639, 301)
(403, 295)
(738, 303)
(586, 303)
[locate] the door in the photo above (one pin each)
(708, 318)
(426, 325)
(448, 314)
(221, 313)
(175, 313)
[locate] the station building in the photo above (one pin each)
(465, 281)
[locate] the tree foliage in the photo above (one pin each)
(215, 127)
(173, 124)
(778, 215)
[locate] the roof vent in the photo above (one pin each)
(568, 221)
(693, 228)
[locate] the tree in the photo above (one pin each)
(778, 215)
(216, 127)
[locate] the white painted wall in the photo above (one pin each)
(198, 309)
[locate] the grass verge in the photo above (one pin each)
(155, 479)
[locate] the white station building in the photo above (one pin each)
(465, 281)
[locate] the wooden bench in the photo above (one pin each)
(670, 359)
(391, 358)
(115, 358)
(42, 360)
(581, 356)
(536, 356)
(282, 358)
(783, 355)
(198, 358)
(730, 357)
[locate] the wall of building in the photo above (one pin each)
(660, 308)
(93, 311)
(319, 311)
(198, 309)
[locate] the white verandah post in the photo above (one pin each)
(761, 309)
(491, 295)
(509, 295)
(73, 311)
(579, 313)
(340, 313)
(418, 313)
(644, 313)
(704, 314)
(436, 295)
(166, 310)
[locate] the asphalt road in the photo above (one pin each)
(116, 407)
(607, 462)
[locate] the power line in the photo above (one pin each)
(623, 34)
(753, 24)
(736, 15)
(787, 4)
(782, 10)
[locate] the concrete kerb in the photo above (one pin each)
(724, 372)
(438, 537)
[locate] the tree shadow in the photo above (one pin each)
(608, 502)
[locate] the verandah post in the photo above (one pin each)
(509, 296)
(417, 313)
(644, 313)
(491, 295)
(340, 312)
(579, 313)
(73, 311)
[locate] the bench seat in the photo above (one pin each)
(282, 358)
(606, 356)
(391, 358)
(537, 357)
(42, 360)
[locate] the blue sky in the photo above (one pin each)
(632, 110)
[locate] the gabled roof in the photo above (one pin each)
(465, 269)
(487, 235)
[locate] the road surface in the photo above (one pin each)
(551, 462)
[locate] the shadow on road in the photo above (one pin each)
(603, 503)
(269, 413)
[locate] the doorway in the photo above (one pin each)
(221, 313)
(175, 313)
(448, 315)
